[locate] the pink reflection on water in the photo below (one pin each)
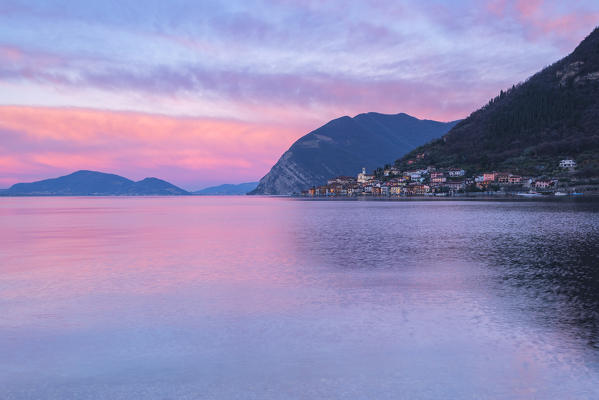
(67, 250)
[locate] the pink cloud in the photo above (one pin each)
(542, 19)
(528, 8)
(188, 151)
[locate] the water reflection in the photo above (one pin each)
(275, 298)
(556, 271)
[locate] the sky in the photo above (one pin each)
(208, 92)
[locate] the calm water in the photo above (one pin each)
(260, 298)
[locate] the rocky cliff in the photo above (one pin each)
(345, 145)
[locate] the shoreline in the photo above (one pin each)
(502, 198)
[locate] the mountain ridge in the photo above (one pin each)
(94, 183)
(343, 146)
(527, 129)
(227, 189)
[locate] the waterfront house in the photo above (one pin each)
(395, 190)
(416, 189)
(502, 177)
(456, 185)
(515, 179)
(543, 184)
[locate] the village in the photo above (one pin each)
(449, 182)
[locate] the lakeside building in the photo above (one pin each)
(363, 177)
(434, 181)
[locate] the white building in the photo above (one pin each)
(363, 177)
(415, 175)
(567, 164)
(456, 173)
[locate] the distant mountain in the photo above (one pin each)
(530, 127)
(345, 145)
(92, 183)
(228, 189)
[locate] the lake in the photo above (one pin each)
(275, 298)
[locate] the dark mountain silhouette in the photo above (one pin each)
(92, 183)
(345, 145)
(228, 189)
(530, 127)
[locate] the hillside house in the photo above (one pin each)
(456, 172)
(489, 176)
(438, 177)
(414, 175)
(567, 163)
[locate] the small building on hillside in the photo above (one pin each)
(515, 179)
(456, 172)
(489, 176)
(567, 163)
(414, 175)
